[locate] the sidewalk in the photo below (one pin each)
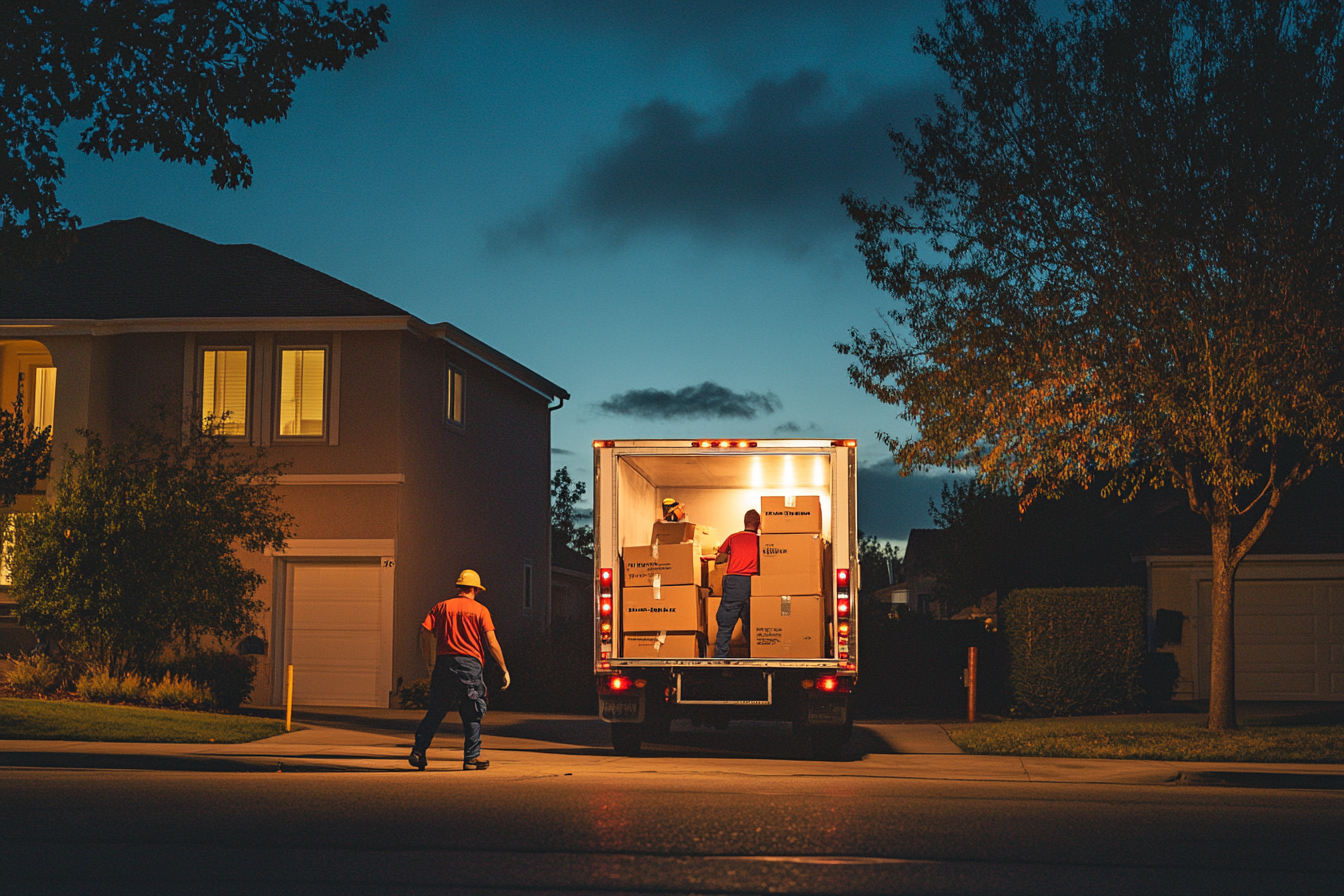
(518, 747)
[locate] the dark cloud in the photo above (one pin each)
(890, 505)
(792, 428)
(560, 451)
(707, 400)
(769, 168)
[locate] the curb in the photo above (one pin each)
(1265, 780)
(153, 762)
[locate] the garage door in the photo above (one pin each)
(1289, 637)
(336, 634)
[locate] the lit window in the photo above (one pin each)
(453, 406)
(44, 397)
(224, 390)
(6, 547)
(303, 391)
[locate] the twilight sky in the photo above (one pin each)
(638, 200)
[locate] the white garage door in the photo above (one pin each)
(336, 634)
(1289, 637)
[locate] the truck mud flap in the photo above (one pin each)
(620, 709)
(723, 687)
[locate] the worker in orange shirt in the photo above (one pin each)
(453, 639)
(742, 554)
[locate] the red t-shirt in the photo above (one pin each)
(460, 624)
(742, 550)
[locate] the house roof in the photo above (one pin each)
(921, 552)
(565, 557)
(141, 270)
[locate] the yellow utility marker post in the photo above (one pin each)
(289, 695)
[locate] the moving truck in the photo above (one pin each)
(656, 590)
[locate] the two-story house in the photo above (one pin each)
(415, 450)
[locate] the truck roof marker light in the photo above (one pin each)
(604, 443)
(844, 443)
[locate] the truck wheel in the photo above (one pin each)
(828, 743)
(625, 738)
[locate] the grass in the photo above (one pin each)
(67, 720)
(1318, 738)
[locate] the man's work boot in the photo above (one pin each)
(478, 764)
(417, 759)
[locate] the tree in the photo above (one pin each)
(25, 453)
(135, 552)
(879, 563)
(168, 75)
(1121, 254)
(565, 493)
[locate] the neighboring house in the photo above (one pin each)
(919, 568)
(571, 584)
(415, 450)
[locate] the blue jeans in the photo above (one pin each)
(735, 604)
(456, 679)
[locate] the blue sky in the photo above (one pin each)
(640, 201)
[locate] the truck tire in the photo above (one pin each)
(828, 742)
(626, 737)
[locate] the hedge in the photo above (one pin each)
(1074, 651)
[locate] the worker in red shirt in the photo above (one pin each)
(452, 638)
(741, 552)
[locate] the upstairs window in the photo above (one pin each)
(224, 389)
(303, 392)
(44, 397)
(453, 404)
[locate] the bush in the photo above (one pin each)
(228, 676)
(1075, 651)
(33, 675)
(175, 690)
(101, 686)
(414, 695)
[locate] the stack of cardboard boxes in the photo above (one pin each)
(662, 595)
(787, 612)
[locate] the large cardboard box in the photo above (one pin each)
(707, 565)
(680, 533)
(791, 626)
(792, 514)
(790, 564)
(659, 645)
(737, 646)
(716, 579)
(676, 564)
(670, 608)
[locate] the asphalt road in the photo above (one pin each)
(677, 828)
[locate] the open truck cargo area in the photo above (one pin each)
(657, 589)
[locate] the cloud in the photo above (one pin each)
(560, 451)
(707, 400)
(890, 505)
(768, 168)
(792, 428)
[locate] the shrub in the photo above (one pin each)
(414, 695)
(1075, 650)
(101, 686)
(228, 676)
(33, 675)
(175, 690)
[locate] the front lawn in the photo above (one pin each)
(67, 720)
(1306, 739)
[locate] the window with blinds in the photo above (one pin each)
(303, 391)
(453, 405)
(224, 377)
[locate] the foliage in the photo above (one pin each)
(154, 74)
(912, 665)
(1122, 254)
(63, 720)
(879, 564)
(1149, 737)
(101, 686)
(1074, 651)
(565, 493)
(227, 676)
(414, 695)
(135, 551)
(25, 453)
(175, 690)
(34, 675)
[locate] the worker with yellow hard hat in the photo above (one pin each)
(453, 641)
(673, 511)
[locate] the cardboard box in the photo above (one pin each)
(782, 515)
(657, 645)
(791, 626)
(676, 564)
(670, 608)
(716, 579)
(683, 532)
(790, 564)
(706, 571)
(737, 646)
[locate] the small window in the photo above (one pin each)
(527, 584)
(44, 397)
(303, 392)
(453, 405)
(224, 380)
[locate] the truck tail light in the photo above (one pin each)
(605, 604)
(826, 684)
(842, 615)
(618, 683)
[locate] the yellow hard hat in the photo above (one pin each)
(470, 579)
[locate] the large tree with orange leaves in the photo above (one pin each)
(1122, 254)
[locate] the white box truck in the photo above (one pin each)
(654, 599)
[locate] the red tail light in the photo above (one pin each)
(826, 684)
(842, 606)
(618, 683)
(604, 604)
(604, 580)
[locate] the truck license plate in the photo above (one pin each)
(621, 709)
(827, 713)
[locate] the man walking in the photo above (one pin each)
(741, 553)
(452, 639)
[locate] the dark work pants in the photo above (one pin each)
(456, 679)
(735, 604)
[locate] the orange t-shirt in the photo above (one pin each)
(742, 551)
(460, 624)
